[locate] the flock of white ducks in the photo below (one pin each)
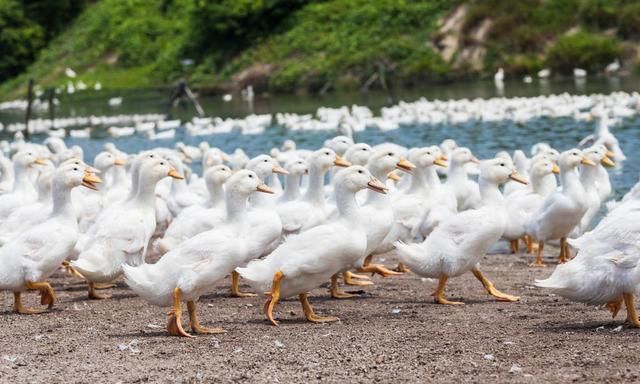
(438, 206)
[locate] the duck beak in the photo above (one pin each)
(405, 165)
(340, 162)
(264, 189)
(444, 157)
(607, 162)
(475, 160)
(586, 161)
(610, 154)
(173, 173)
(376, 186)
(119, 162)
(555, 169)
(225, 158)
(40, 161)
(441, 161)
(393, 176)
(280, 170)
(515, 176)
(90, 180)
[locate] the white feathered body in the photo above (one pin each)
(457, 244)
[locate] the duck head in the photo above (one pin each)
(339, 144)
(384, 162)
(326, 158)
(105, 160)
(500, 170)
(600, 155)
(572, 158)
(79, 163)
(155, 169)
(543, 167)
(358, 154)
(428, 156)
(356, 178)
(213, 156)
(297, 167)
(217, 175)
(245, 182)
(28, 158)
(265, 165)
(462, 156)
(73, 175)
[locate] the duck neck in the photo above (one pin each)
(263, 200)
(417, 181)
(315, 191)
(146, 193)
(61, 198)
(236, 205)
(456, 170)
(571, 184)
(22, 179)
(490, 193)
(292, 187)
(375, 198)
(346, 203)
(119, 176)
(431, 178)
(588, 176)
(216, 194)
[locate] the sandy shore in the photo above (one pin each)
(390, 332)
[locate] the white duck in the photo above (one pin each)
(29, 259)
(180, 197)
(442, 201)
(199, 217)
(466, 190)
(23, 191)
(606, 269)
(560, 211)
(191, 270)
(305, 261)
(603, 135)
(122, 235)
(6, 174)
(297, 167)
(300, 215)
(458, 243)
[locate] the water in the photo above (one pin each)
(485, 139)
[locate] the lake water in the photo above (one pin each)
(485, 139)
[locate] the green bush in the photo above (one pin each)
(600, 14)
(629, 21)
(20, 39)
(584, 50)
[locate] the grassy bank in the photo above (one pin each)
(311, 46)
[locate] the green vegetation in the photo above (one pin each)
(304, 45)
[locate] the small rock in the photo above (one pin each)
(489, 357)
(396, 311)
(515, 369)
(278, 344)
(11, 359)
(508, 343)
(617, 329)
(154, 326)
(237, 350)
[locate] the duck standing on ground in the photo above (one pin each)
(458, 243)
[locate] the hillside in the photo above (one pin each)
(313, 46)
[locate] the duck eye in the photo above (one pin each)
(502, 164)
(266, 161)
(390, 154)
(360, 171)
(75, 169)
(251, 176)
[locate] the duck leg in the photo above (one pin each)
(539, 262)
(614, 306)
(367, 260)
(310, 315)
(402, 268)
(438, 295)
(235, 288)
(348, 277)
(355, 276)
(275, 296)
(563, 249)
(93, 295)
(514, 246)
(19, 308)
(174, 323)
(379, 269)
(335, 290)
(530, 244)
(71, 270)
(47, 295)
(491, 289)
(632, 316)
(195, 322)
(567, 250)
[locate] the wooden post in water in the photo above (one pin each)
(51, 95)
(182, 91)
(28, 112)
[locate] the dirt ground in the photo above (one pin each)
(391, 332)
